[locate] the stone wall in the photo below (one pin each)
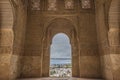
(12, 30)
(19, 37)
(89, 53)
(107, 20)
(22, 48)
(5, 53)
(102, 31)
(6, 38)
(84, 21)
(114, 37)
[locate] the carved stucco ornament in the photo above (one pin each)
(86, 4)
(52, 5)
(69, 4)
(35, 4)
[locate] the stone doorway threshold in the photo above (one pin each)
(58, 79)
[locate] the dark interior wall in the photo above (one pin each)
(89, 53)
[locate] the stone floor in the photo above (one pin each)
(59, 79)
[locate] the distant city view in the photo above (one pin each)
(60, 67)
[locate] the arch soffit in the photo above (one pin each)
(49, 26)
(68, 24)
(59, 18)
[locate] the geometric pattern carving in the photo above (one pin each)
(86, 4)
(52, 5)
(69, 4)
(35, 4)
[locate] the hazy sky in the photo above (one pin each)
(60, 47)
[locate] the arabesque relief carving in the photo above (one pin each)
(69, 4)
(35, 4)
(52, 5)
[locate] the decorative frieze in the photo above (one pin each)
(86, 4)
(52, 5)
(35, 4)
(69, 4)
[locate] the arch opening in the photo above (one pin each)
(60, 56)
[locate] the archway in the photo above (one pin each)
(60, 25)
(60, 56)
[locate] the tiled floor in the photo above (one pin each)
(58, 79)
